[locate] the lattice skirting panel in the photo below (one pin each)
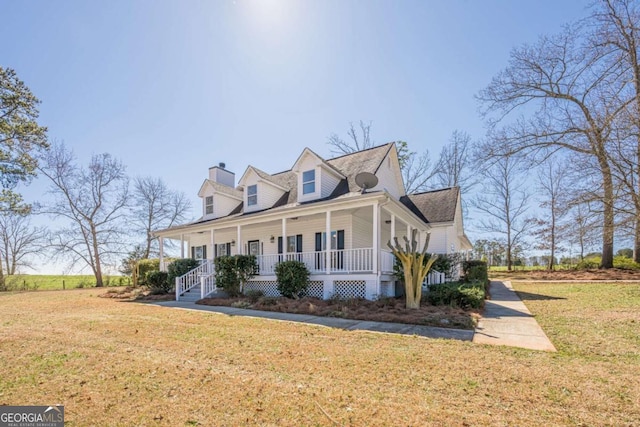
(268, 287)
(350, 288)
(316, 289)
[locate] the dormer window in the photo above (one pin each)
(309, 181)
(252, 195)
(208, 205)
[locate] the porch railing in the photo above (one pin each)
(192, 278)
(434, 278)
(340, 261)
(207, 285)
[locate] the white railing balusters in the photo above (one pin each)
(192, 278)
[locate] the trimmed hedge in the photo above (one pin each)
(233, 271)
(476, 270)
(158, 282)
(457, 294)
(293, 278)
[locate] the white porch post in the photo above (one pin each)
(239, 241)
(189, 247)
(409, 233)
(376, 236)
(327, 243)
(284, 238)
(161, 248)
(182, 246)
(393, 228)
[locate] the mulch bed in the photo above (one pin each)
(382, 310)
(136, 294)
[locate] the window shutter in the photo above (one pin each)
(228, 248)
(298, 242)
(279, 244)
(340, 239)
(193, 252)
(318, 242)
(204, 251)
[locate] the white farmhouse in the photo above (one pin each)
(335, 215)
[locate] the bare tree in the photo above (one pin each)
(455, 163)
(503, 203)
(582, 228)
(155, 206)
(552, 187)
(18, 242)
(574, 97)
(416, 169)
(93, 201)
(616, 38)
(357, 141)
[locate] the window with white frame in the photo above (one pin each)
(252, 195)
(208, 205)
(309, 181)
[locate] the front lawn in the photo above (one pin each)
(123, 363)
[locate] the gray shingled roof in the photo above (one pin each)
(434, 206)
(362, 161)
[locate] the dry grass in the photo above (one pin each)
(120, 363)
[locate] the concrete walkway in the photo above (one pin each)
(333, 322)
(507, 321)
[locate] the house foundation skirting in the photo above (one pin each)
(368, 286)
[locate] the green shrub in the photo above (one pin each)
(625, 263)
(293, 278)
(158, 282)
(476, 270)
(457, 294)
(232, 272)
(589, 263)
(180, 267)
(143, 267)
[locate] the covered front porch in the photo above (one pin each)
(336, 243)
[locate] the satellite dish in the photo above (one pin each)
(366, 180)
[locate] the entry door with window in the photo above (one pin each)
(199, 252)
(255, 250)
(337, 249)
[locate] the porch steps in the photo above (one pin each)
(192, 295)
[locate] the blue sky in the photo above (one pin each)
(174, 87)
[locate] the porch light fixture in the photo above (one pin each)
(233, 243)
(272, 239)
(388, 221)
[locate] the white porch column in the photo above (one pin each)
(393, 228)
(189, 247)
(161, 248)
(409, 233)
(327, 243)
(239, 242)
(284, 238)
(376, 236)
(181, 245)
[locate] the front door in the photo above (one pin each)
(254, 249)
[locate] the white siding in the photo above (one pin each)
(387, 177)
(328, 182)
(223, 205)
(268, 195)
(441, 239)
(307, 163)
(362, 233)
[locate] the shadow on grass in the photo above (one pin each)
(527, 296)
